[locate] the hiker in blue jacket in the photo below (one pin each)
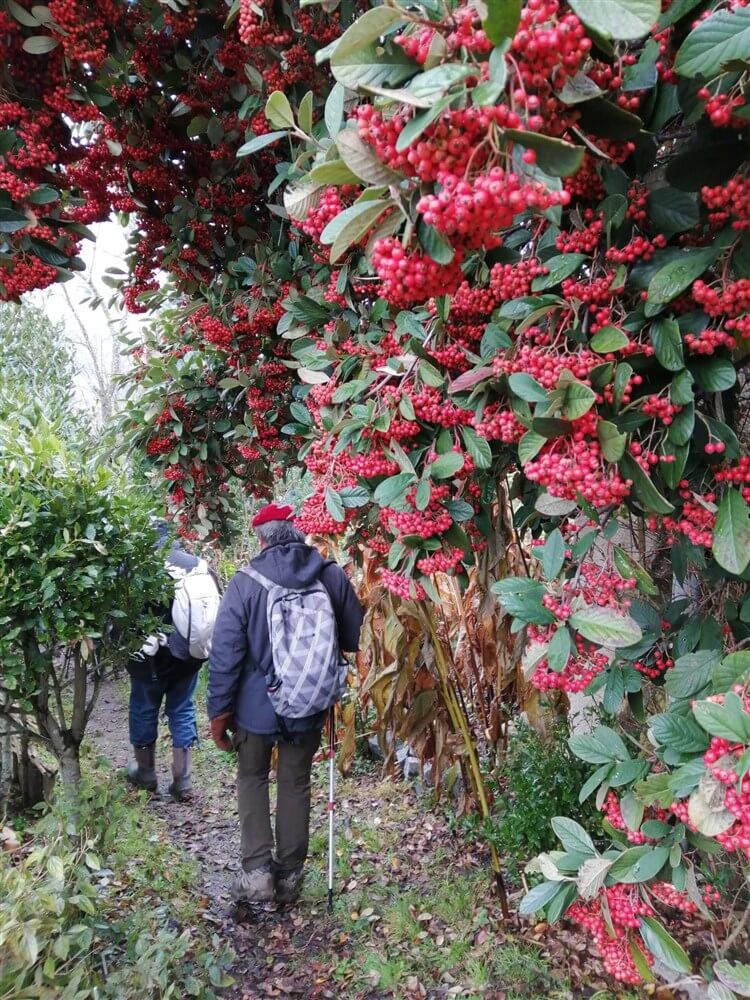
(241, 660)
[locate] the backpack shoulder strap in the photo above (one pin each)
(265, 583)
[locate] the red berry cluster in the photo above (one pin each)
(720, 108)
(729, 201)
(409, 277)
(470, 213)
(612, 918)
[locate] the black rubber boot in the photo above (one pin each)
(142, 770)
(181, 787)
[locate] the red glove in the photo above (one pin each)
(221, 725)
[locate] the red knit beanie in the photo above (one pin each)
(273, 512)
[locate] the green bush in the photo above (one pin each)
(537, 780)
(79, 574)
(102, 906)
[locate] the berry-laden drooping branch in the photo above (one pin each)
(555, 215)
(446, 253)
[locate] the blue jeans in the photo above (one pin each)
(146, 697)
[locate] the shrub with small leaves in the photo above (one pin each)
(539, 778)
(72, 921)
(79, 570)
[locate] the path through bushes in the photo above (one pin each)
(412, 917)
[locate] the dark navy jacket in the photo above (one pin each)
(241, 650)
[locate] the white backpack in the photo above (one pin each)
(195, 607)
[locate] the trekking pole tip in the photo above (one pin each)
(330, 900)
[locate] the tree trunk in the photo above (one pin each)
(70, 768)
(6, 762)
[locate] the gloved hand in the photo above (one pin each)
(221, 725)
(151, 646)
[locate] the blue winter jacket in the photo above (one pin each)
(241, 651)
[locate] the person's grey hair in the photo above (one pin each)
(273, 532)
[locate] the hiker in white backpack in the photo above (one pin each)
(165, 671)
(274, 671)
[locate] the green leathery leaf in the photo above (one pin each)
(622, 377)
(691, 673)
(672, 279)
(667, 342)
(647, 494)
(551, 427)
(733, 669)
(639, 864)
(559, 268)
(608, 339)
(672, 211)
(554, 156)
(579, 399)
(552, 554)
(351, 225)
(393, 490)
(731, 536)
(39, 45)
(681, 391)
(335, 172)
(362, 161)
(529, 446)
(721, 38)
(446, 466)
(572, 836)
(714, 374)
(559, 649)
(260, 142)
(578, 88)
(279, 111)
(606, 627)
(671, 472)
(12, 222)
(663, 945)
(611, 440)
(366, 29)
(501, 20)
(488, 93)
(335, 505)
(625, 20)
(478, 448)
(434, 243)
(373, 65)
(628, 568)
(334, 109)
(416, 126)
(681, 429)
(526, 387)
(422, 498)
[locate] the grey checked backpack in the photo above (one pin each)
(308, 673)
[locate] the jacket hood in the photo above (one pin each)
(290, 564)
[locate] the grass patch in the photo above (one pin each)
(409, 912)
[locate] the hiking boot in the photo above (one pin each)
(142, 770)
(255, 886)
(181, 787)
(289, 885)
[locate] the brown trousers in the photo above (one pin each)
(292, 800)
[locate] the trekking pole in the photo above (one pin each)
(331, 754)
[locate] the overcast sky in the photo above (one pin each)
(88, 329)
